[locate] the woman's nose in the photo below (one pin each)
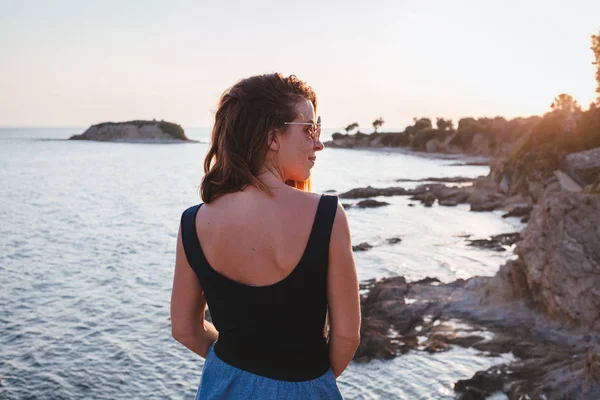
(319, 145)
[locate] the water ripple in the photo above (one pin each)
(87, 248)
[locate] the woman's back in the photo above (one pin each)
(254, 239)
(272, 325)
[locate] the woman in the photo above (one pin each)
(270, 259)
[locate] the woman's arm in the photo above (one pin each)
(343, 296)
(188, 306)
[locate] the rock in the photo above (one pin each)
(583, 167)
(369, 191)
(453, 196)
(496, 242)
(346, 205)
(427, 280)
(485, 201)
(457, 179)
(471, 393)
(484, 382)
(135, 131)
(566, 182)
(362, 247)
(559, 258)
(504, 185)
(426, 198)
(371, 203)
(536, 189)
(593, 188)
(518, 212)
(551, 361)
(394, 240)
(436, 346)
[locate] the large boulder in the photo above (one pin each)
(583, 167)
(559, 258)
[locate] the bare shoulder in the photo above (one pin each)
(340, 223)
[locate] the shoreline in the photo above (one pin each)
(423, 154)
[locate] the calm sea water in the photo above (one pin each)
(87, 249)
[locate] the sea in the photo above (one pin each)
(87, 250)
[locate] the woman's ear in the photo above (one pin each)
(273, 141)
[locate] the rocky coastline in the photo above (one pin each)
(134, 131)
(543, 307)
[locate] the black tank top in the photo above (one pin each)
(276, 330)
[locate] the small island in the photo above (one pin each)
(134, 131)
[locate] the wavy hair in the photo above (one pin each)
(246, 113)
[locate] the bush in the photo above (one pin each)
(420, 139)
(172, 129)
(467, 129)
(395, 139)
(338, 135)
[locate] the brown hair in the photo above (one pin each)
(246, 113)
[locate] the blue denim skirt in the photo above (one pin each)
(223, 381)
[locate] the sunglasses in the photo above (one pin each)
(314, 131)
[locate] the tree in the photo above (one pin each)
(444, 124)
(565, 102)
(596, 49)
(351, 127)
(377, 123)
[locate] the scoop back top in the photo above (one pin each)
(275, 330)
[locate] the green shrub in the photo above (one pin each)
(420, 139)
(395, 139)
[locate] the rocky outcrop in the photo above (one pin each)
(366, 246)
(370, 203)
(543, 307)
(558, 269)
(362, 247)
(482, 195)
(551, 361)
(496, 242)
(583, 167)
(455, 179)
(369, 191)
(134, 131)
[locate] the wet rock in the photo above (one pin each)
(552, 361)
(471, 393)
(426, 198)
(362, 247)
(346, 205)
(427, 280)
(370, 203)
(435, 346)
(483, 383)
(519, 212)
(457, 179)
(485, 201)
(496, 242)
(394, 240)
(361, 193)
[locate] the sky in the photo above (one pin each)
(77, 63)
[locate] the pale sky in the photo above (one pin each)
(76, 63)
